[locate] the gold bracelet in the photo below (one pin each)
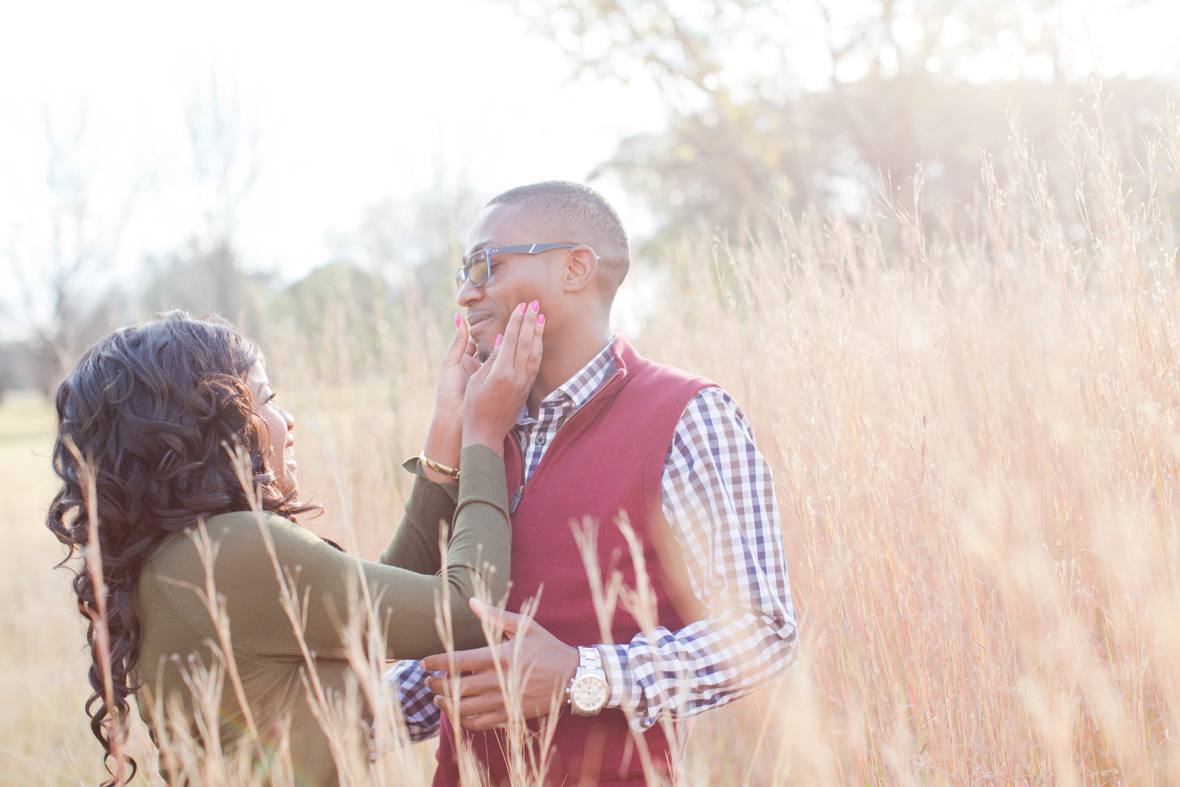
(453, 472)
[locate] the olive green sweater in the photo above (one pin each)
(177, 627)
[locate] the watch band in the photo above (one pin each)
(589, 659)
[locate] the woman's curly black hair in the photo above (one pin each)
(151, 408)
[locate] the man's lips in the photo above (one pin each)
(472, 322)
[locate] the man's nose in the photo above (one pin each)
(468, 294)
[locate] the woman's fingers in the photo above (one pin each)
(517, 351)
(507, 355)
(459, 342)
(524, 340)
(486, 367)
(533, 354)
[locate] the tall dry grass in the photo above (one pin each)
(977, 456)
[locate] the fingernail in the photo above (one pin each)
(520, 308)
(458, 321)
(541, 319)
(499, 339)
(535, 306)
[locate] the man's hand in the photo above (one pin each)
(542, 665)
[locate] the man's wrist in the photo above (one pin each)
(587, 690)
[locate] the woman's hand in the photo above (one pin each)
(458, 364)
(445, 438)
(497, 391)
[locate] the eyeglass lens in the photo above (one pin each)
(475, 269)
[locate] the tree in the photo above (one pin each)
(60, 259)
(805, 104)
(204, 275)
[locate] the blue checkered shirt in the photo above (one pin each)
(718, 497)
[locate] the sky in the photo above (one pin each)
(349, 103)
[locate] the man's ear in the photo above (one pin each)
(581, 267)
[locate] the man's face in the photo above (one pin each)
(516, 278)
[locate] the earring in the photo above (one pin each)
(262, 476)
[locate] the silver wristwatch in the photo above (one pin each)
(587, 691)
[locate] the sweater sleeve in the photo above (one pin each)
(415, 544)
(328, 581)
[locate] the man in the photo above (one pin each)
(606, 431)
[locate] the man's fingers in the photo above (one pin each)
(469, 685)
(473, 721)
(445, 705)
(488, 702)
(461, 661)
(507, 621)
(484, 721)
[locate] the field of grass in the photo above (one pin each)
(976, 447)
(43, 733)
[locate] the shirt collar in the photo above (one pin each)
(583, 384)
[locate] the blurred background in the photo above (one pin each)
(930, 247)
(258, 159)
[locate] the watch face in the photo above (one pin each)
(588, 693)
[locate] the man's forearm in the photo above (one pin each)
(701, 666)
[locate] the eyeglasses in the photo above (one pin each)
(477, 266)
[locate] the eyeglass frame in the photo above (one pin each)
(463, 277)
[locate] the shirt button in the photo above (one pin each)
(540, 439)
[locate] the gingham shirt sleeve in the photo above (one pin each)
(407, 679)
(718, 498)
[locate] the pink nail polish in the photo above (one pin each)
(541, 319)
(535, 306)
(499, 339)
(520, 308)
(458, 321)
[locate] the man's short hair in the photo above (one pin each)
(580, 215)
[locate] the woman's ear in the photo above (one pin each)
(581, 266)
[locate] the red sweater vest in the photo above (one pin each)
(608, 457)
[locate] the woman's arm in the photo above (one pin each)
(414, 545)
(433, 497)
(327, 581)
(479, 549)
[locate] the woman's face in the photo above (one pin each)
(280, 425)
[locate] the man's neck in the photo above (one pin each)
(561, 362)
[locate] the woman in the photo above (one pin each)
(154, 409)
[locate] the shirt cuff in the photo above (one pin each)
(623, 691)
